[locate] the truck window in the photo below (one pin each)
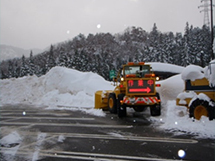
(137, 70)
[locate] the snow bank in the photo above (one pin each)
(60, 86)
(170, 87)
(164, 67)
(176, 118)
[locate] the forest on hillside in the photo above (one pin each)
(103, 52)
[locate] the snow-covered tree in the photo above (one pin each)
(31, 64)
(24, 70)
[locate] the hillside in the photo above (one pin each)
(10, 52)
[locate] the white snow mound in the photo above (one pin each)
(171, 87)
(60, 86)
(192, 72)
(165, 67)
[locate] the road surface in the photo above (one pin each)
(53, 135)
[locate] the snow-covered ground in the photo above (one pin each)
(69, 89)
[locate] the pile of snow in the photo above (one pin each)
(192, 72)
(164, 67)
(59, 87)
(171, 87)
(176, 118)
(12, 142)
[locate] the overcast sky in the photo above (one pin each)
(38, 23)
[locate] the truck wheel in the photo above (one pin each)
(199, 108)
(121, 109)
(112, 104)
(155, 110)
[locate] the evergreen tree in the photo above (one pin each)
(153, 42)
(31, 64)
(16, 69)
(178, 54)
(76, 60)
(205, 47)
(63, 60)
(24, 70)
(83, 61)
(186, 60)
(10, 69)
(50, 61)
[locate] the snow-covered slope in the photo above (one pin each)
(10, 52)
(67, 88)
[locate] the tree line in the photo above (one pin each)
(103, 52)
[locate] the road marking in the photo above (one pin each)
(49, 118)
(27, 112)
(68, 124)
(121, 137)
(132, 138)
(91, 156)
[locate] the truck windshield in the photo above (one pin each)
(142, 69)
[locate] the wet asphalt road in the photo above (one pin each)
(53, 135)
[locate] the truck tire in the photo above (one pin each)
(121, 109)
(155, 110)
(200, 108)
(112, 103)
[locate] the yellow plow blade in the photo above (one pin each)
(101, 99)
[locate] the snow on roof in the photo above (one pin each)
(165, 67)
(192, 72)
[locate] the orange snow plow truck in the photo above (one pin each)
(135, 88)
(199, 94)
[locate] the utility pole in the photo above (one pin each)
(212, 31)
(206, 20)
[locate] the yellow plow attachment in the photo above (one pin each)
(101, 99)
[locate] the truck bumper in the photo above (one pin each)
(149, 100)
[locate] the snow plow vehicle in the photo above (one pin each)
(135, 88)
(199, 94)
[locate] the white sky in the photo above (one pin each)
(39, 23)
